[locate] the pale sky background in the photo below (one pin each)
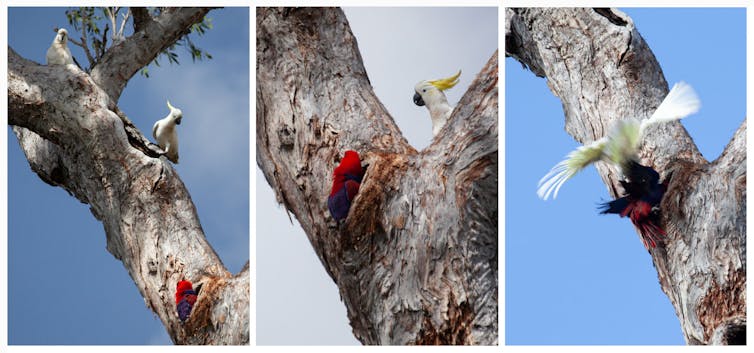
(297, 302)
(63, 285)
(574, 276)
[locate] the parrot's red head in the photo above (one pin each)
(180, 288)
(350, 165)
(351, 156)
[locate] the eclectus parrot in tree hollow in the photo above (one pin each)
(620, 147)
(346, 180)
(641, 203)
(185, 297)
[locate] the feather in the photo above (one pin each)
(621, 144)
(446, 83)
(623, 141)
(680, 102)
(58, 53)
(164, 132)
(575, 161)
(430, 94)
(346, 178)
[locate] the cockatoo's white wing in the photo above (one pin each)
(58, 55)
(154, 130)
(172, 152)
(577, 160)
(680, 102)
(623, 141)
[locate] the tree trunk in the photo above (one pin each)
(416, 259)
(602, 70)
(75, 137)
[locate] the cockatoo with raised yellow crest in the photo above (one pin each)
(430, 93)
(165, 135)
(58, 53)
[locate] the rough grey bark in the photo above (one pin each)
(151, 36)
(602, 70)
(74, 137)
(416, 259)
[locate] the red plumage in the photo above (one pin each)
(185, 298)
(641, 202)
(182, 287)
(350, 166)
(345, 185)
(640, 213)
(352, 188)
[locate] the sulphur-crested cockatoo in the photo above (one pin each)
(622, 142)
(429, 93)
(58, 54)
(165, 135)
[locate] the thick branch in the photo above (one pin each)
(123, 60)
(416, 260)
(601, 68)
(73, 139)
(142, 18)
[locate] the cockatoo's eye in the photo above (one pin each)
(424, 90)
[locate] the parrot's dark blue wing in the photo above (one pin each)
(338, 204)
(617, 206)
(356, 178)
(184, 309)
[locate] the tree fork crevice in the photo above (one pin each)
(600, 79)
(401, 258)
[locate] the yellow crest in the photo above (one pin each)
(445, 83)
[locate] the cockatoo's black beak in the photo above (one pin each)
(178, 121)
(418, 99)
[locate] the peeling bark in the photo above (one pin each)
(75, 137)
(596, 61)
(416, 259)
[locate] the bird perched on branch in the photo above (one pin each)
(164, 133)
(643, 189)
(430, 93)
(347, 178)
(58, 53)
(185, 297)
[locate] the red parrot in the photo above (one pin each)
(641, 203)
(346, 180)
(185, 297)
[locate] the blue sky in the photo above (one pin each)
(574, 276)
(396, 57)
(63, 285)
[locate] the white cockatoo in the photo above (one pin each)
(59, 54)
(429, 93)
(165, 135)
(621, 144)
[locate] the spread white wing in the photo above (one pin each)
(577, 160)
